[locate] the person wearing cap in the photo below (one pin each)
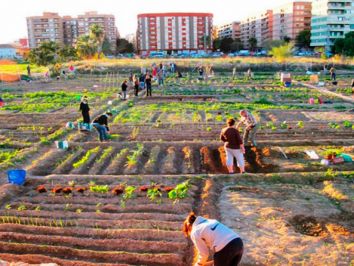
(101, 125)
(209, 236)
(251, 126)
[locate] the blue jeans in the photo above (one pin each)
(102, 131)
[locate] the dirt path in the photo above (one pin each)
(326, 91)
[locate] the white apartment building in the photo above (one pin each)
(331, 20)
(230, 30)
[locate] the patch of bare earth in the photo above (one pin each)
(287, 224)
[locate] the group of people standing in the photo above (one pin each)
(144, 81)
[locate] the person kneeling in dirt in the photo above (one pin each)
(251, 127)
(210, 235)
(233, 146)
(101, 125)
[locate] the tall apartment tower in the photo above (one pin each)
(106, 21)
(277, 23)
(331, 20)
(230, 30)
(290, 19)
(48, 27)
(174, 32)
(70, 30)
(259, 27)
(66, 30)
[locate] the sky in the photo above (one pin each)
(13, 14)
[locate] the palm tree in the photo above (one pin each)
(85, 46)
(97, 35)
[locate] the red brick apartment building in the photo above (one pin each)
(173, 32)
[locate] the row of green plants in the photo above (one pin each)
(41, 101)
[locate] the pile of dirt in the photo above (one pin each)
(308, 225)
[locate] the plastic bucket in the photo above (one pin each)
(287, 84)
(17, 177)
(63, 145)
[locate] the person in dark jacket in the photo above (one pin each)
(148, 78)
(136, 86)
(85, 110)
(233, 146)
(211, 236)
(101, 125)
(124, 89)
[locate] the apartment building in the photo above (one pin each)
(70, 30)
(66, 29)
(331, 20)
(48, 27)
(259, 27)
(107, 22)
(230, 30)
(174, 32)
(290, 19)
(281, 22)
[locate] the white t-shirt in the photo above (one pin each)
(210, 235)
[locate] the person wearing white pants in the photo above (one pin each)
(233, 146)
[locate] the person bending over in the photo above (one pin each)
(101, 125)
(211, 237)
(251, 127)
(233, 146)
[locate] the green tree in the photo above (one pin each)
(106, 47)
(86, 48)
(286, 39)
(303, 39)
(45, 54)
(345, 46)
(96, 34)
(124, 46)
(282, 52)
(236, 45)
(216, 44)
(68, 53)
(252, 43)
(268, 45)
(225, 45)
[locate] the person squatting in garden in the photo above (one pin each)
(211, 236)
(85, 110)
(101, 125)
(251, 127)
(124, 89)
(233, 146)
(147, 81)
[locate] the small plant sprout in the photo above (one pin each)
(8, 206)
(284, 125)
(38, 208)
(300, 124)
(72, 183)
(78, 211)
(21, 207)
(128, 194)
(179, 192)
(154, 194)
(67, 207)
